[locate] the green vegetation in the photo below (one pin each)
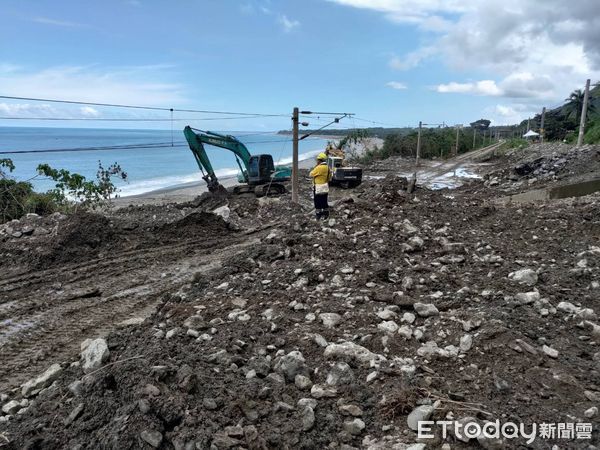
(562, 123)
(515, 143)
(435, 143)
(379, 132)
(72, 191)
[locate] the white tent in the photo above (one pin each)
(531, 133)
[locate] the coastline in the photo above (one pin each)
(188, 191)
(185, 191)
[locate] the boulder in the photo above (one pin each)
(95, 353)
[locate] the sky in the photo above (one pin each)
(393, 62)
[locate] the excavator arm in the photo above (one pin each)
(196, 140)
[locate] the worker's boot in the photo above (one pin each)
(318, 214)
(325, 214)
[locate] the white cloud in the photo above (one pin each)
(484, 87)
(516, 85)
(288, 24)
(412, 59)
(58, 23)
(536, 52)
(428, 14)
(396, 85)
(88, 111)
(127, 85)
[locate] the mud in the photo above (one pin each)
(229, 300)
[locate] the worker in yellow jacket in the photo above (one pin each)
(321, 176)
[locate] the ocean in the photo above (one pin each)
(148, 168)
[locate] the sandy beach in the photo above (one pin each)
(188, 191)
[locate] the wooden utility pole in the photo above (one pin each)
(419, 144)
(456, 146)
(542, 125)
(474, 136)
(586, 97)
(295, 124)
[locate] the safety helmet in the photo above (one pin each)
(321, 157)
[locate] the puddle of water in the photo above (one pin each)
(9, 327)
(566, 191)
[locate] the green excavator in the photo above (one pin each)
(258, 172)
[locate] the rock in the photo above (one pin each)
(528, 277)
(291, 365)
(260, 365)
(552, 353)
(74, 414)
(567, 307)
(349, 351)
(416, 242)
(354, 427)
(11, 407)
(350, 410)
(337, 281)
(302, 382)
(307, 416)
(311, 402)
(466, 342)
(32, 387)
(586, 314)
(418, 414)
(407, 283)
(405, 331)
(95, 354)
(426, 309)
(320, 340)
(526, 298)
(221, 440)
(134, 321)
(417, 447)
(408, 318)
(330, 320)
(340, 374)
(151, 390)
(386, 314)
(223, 211)
(318, 391)
(388, 327)
(372, 376)
(591, 413)
(152, 437)
(76, 387)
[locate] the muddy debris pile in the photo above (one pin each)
(542, 164)
(343, 334)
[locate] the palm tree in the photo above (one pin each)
(575, 105)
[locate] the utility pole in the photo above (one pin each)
(529, 118)
(456, 146)
(295, 124)
(419, 144)
(583, 114)
(474, 136)
(542, 125)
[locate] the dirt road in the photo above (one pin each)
(45, 313)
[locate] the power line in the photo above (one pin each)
(111, 119)
(153, 108)
(102, 148)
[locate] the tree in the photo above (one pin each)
(574, 105)
(481, 124)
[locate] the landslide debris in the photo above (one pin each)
(344, 333)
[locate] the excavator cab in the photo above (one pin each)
(260, 169)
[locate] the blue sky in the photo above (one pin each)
(390, 61)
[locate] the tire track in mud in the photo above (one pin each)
(41, 324)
